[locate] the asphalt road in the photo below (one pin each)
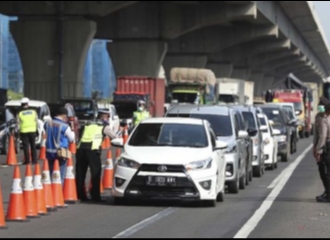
(281, 204)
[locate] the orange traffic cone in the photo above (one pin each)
(125, 137)
(29, 194)
(2, 215)
(39, 191)
(47, 185)
(42, 153)
(16, 209)
(73, 148)
(108, 172)
(11, 157)
(118, 152)
(106, 143)
(57, 186)
(70, 189)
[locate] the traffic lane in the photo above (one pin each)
(225, 220)
(295, 212)
(78, 220)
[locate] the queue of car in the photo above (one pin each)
(194, 151)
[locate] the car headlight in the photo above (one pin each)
(281, 138)
(128, 163)
(232, 149)
(199, 165)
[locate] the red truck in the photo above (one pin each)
(130, 89)
(302, 103)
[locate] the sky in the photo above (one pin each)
(322, 9)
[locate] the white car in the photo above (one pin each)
(42, 110)
(270, 142)
(171, 158)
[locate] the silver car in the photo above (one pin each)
(225, 126)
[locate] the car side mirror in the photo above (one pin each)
(292, 123)
(276, 132)
(252, 132)
(243, 134)
(118, 142)
(220, 145)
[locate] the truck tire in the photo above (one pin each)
(286, 157)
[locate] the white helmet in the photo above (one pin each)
(25, 100)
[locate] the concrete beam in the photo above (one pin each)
(261, 59)
(276, 14)
(240, 73)
(221, 70)
(257, 78)
(241, 52)
(50, 8)
(167, 20)
(281, 62)
(288, 69)
(214, 39)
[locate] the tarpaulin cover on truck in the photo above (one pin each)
(203, 77)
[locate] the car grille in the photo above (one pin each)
(184, 187)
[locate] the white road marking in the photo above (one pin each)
(252, 223)
(277, 179)
(143, 224)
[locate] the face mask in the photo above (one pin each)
(105, 122)
(321, 109)
(140, 109)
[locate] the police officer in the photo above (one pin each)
(322, 153)
(28, 124)
(89, 154)
(141, 113)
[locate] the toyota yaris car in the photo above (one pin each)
(171, 158)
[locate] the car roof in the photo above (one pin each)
(32, 103)
(174, 120)
(193, 109)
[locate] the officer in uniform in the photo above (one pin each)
(28, 124)
(322, 153)
(141, 114)
(89, 154)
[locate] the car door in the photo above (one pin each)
(240, 144)
(216, 156)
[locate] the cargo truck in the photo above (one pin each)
(131, 89)
(190, 85)
(231, 90)
(249, 93)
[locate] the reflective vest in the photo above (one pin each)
(55, 132)
(93, 134)
(140, 116)
(27, 120)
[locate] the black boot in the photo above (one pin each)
(321, 196)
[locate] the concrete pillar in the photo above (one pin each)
(240, 73)
(257, 78)
(137, 57)
(184, 61)
(221, 70)
(39, 49)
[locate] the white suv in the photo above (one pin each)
(43, 114)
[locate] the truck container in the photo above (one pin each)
(192, 85)
(137, 85)
(231, 90)
(249, 92)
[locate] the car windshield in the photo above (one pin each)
(249, 118)
(274, 115)
(169, 135)
(185, 97)
(221, 124)
(82, 106)
(289, 112)
(298, 106)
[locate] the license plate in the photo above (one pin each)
(161, 181)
